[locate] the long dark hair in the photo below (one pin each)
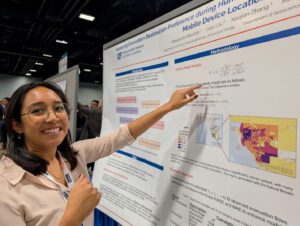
(16, 149)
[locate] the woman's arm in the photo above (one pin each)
(93, 149)
(178, 99)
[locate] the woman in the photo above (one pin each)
(42, 176)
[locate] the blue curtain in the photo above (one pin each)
(101, 219)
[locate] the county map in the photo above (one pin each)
(264, 143)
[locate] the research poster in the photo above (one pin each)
(229, 158)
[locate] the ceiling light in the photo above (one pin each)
(87, 70)
(32, 70)
(61, 41)
(28, 74)
(101, 63)
(38, 63)
(86, 17)
(47, 55)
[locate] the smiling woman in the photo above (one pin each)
(28, 130)
(51, 129)
(42, 175)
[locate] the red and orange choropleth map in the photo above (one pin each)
(264, 143)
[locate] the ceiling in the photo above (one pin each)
(30, 28)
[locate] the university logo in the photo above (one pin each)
(119, 55)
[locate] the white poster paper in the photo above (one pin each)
(231, 156)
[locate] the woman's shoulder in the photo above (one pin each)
(6, 186)
(10, 172)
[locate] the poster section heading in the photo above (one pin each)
(201, 17)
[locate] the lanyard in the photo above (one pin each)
(67, 176)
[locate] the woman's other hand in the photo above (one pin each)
(82, 201)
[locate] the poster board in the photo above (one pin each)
(231, 156)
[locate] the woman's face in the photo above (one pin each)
(48, 133)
